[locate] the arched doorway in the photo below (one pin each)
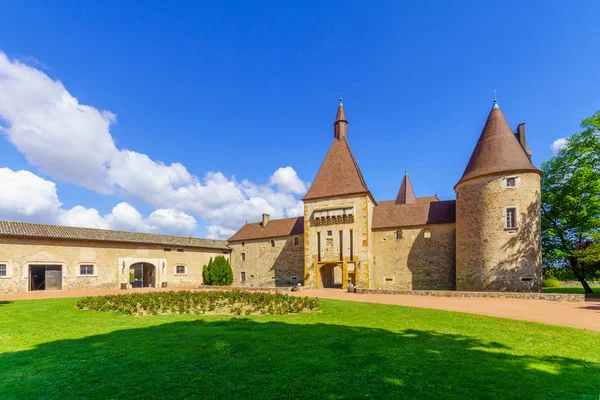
(331, 276)
(142, 274)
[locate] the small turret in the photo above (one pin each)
(406, 194)
(340, 125)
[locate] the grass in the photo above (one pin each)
(574, 289)
(50, 350)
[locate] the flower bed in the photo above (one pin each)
(234, 302)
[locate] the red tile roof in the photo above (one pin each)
(498, 150)
(274, 228)
(339, 174)
(42, 231)
(390, 215)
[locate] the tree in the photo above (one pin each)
(571, 203)
(217, 272)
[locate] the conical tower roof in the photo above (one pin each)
(406, 194)
(339, 173)
(497, 151)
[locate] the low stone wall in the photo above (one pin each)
(281, 289)
(507, 295)
(577, 283)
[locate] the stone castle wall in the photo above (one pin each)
(359, 266)
(111, 262)
(266, 265)
(415, 262)
(490, 257)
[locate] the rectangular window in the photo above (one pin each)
(167, 249)
(319, 246)
(180, 269)
(180, 250)
(511, 218)
(86, 269)
(341, 245)
(3, 270)
(243, 256)
(398, 234)
(427, 233)
(243, 277)
(272, 243)
(351, 245)
(511, 182)
(296, 241)
(329, 233)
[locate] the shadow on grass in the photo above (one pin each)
(245, 358)
(4, 302)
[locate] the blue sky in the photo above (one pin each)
(247, 88)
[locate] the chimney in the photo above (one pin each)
(265, 220)
(520, 134)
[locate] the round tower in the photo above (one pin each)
(498, 221)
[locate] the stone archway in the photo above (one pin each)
(142, 274)
(331, 276)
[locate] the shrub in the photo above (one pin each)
(550, 283)
(217, 272)
(233, 302)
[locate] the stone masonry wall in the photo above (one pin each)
(360, 266)
(111, 262)
(488, 256)
(415, 262)
(454, 293)
(265, 265)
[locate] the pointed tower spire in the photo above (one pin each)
(498, 150)
(339, 174)
(406, 194)
(340, 125)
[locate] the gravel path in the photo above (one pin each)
(584, 315)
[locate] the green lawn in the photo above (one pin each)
(574, 289)
(50, 350)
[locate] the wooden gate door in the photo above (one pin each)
(53, 277)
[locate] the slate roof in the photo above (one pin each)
(498, 150)
(274, 228)
(29, 230)
(390, 215)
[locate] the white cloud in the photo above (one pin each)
(218, 232)
(72, 142)
(287, 181)
(172, 222)
(558, 144)
(28, 197)
(82, 217)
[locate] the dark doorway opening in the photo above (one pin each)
(142, 275)
(45, 277)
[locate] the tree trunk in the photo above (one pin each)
(580, 277)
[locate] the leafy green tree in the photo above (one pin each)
(571, 202)
(217, 272)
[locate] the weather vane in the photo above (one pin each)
(495, 96)
(341, 90)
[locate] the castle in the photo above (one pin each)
(488, 239)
